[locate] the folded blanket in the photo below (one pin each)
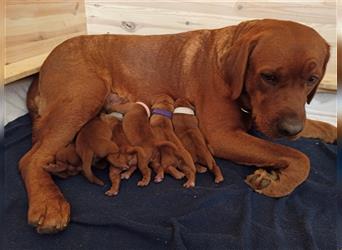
(167, 216)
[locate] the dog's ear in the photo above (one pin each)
(235, 64)
(313, 91)
(312, 94)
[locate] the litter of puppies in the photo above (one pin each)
(164, 138)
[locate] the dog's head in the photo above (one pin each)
(273, 68)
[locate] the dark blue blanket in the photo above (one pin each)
(167, 216)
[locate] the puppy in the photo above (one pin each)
(95, 139)
(186, 127)
(126, 154)
(67, 162)
(161, 124)
(137, 129)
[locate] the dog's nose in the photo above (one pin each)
(290, 126)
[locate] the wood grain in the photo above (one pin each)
(155, 17)
(34, 28)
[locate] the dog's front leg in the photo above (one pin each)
(290, 167)
(223, 126)
(319, 130)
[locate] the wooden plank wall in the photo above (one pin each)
(2, 41)
(176, 16)
(34, 28)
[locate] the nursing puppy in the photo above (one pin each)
(126, 154)
(67, 162)
(95, 140)
(169, 159)
(186, 128)
(138, 131)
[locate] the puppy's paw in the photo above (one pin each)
(200, 169)
(189, 184)
(112, 192)
(143, 183)
(171, 170)
(158, 179)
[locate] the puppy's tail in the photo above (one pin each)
(202, 148)
(166, 144)
(181, 153)
(87, 157)
(136, 150)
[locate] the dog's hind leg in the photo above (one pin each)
(63, 114)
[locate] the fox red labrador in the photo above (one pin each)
(268, 68)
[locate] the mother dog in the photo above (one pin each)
(258, 73)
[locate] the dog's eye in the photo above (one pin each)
(269, 78)
(312, 80)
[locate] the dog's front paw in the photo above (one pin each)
(275, 184)
(330, 134)
(49, 214)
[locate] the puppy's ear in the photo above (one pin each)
(235, 64)
(313, 91)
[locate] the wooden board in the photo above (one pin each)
(34, 28)
(155, 17)
(2, 41)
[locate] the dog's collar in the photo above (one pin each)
(245, 110)
(184, 110)
(146, 108)
(162, 112)
(116, 115)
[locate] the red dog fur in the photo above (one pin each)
(187, 129)
(269, 67)
(169, 159)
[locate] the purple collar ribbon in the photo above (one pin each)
(162, 112)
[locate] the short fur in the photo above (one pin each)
(220, 71)
(187, 130)
(169, 159)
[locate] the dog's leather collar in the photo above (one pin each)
(162, 112)
(245, 110)
(117, 115)
(146, 108)
(184, 110)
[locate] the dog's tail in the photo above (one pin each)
(32, 98)
(87, 158)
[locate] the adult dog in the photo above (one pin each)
(270, 68)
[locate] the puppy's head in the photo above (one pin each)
(163, 101)
(274, 68)
(183, 102)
